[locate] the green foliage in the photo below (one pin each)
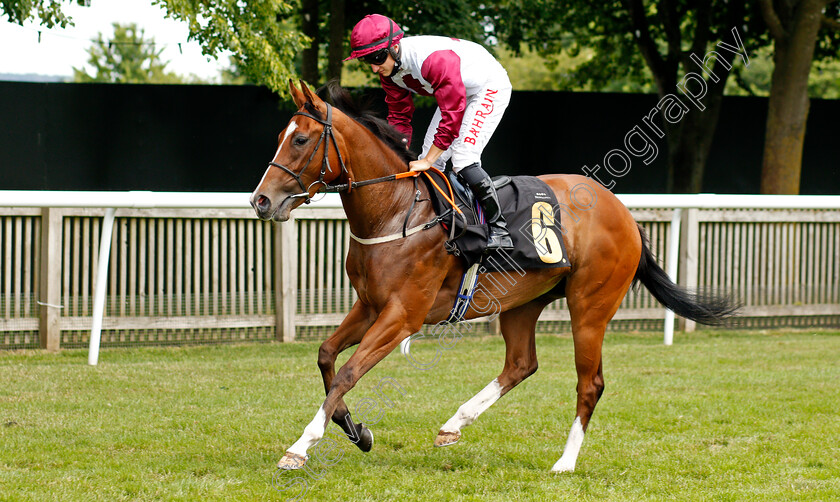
(449, 18)
(260, 33)
(545, 45)
(531, 71)
(607, 30)
(358, 74)
(717, 416)
(235, 74)
(828, 39)
(754, 80)
(127, 58)
(823, 82)
(47, 12)
(538, 24)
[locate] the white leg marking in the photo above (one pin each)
(470, 410)
(311, 434)
(570, 453)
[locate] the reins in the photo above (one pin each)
(328, 137)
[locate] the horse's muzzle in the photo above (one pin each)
(262, 206)
(267, 210)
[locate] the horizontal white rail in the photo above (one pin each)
(140, 199)
(729, 201)
(225, 200)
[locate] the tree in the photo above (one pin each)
(628, 36)
(268, 37)
(335, 18)
(260, 33)
(309, 27)
(823, 81)
(795, 27)
(127, 58)
(47, 12)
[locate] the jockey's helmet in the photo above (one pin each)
(373, 34)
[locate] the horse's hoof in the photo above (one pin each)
(563, 466)
(446, 438)
(365, 442)
(291, 461)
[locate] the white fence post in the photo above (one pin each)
(101, 285)
(49, 290)
(689, 249)
(673, 260)
(285, 278)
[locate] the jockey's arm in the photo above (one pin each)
(427, 161)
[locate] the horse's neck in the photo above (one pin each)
(380, 208)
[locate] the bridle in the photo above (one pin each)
(326, 137)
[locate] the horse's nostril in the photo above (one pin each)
(263, 203)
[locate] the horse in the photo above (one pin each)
(363, 158)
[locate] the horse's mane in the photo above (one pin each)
(362, 112)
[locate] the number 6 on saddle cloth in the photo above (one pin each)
(528, 205)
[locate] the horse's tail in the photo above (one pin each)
(702, 308)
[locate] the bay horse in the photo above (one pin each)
(407, 279)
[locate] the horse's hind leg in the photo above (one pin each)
(592, 301)
(518, 326)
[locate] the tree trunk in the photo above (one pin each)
(309, 27)
(689, 143)
(788, 104)
(335, 55)
(690, 140)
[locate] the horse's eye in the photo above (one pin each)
(300, 140)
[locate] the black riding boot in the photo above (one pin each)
(485, 192)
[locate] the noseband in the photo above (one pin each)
(326, 137)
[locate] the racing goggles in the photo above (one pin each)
(376, 58)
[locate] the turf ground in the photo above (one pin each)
(717, 416)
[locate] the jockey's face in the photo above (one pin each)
(385, 69)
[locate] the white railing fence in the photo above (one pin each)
(199, 268)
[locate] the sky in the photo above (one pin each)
(60, 50)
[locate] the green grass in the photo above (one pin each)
(717, 416)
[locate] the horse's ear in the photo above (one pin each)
(297, 95)
(311, 96)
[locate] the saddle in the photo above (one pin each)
(528, 205)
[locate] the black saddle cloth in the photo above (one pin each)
(528, 205)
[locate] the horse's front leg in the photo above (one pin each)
(394, 323)
(349, 333)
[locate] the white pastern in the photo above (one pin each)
(470, 410)
(570, 453)
(311, 434)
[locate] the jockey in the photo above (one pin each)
(472, 91)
